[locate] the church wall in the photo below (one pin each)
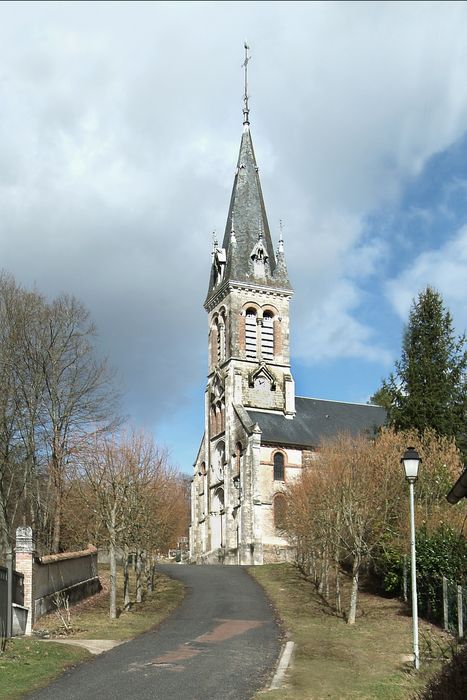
(309, 457)
(269, 487)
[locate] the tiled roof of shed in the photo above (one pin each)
(318, 419)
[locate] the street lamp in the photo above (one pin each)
(411, 460)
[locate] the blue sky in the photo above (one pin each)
(119, 135)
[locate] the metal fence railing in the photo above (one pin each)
(18, 588)
(11, 591)
(454, 607)
(4, 607)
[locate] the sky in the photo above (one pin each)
(120, 124)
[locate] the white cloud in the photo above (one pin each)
(445, 269)
(118, 139)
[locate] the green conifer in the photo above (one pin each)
(428, 388)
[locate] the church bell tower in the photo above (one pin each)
(248, 298)
(248, 361)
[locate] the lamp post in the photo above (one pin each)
(411, 460)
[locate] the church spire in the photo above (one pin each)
(247, 255)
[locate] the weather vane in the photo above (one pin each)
(246, 110)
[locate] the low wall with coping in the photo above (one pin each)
(73, 574)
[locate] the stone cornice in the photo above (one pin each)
(214, 299)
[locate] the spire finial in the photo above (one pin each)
(280, 247)
(246, 109)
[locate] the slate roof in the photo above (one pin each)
(318, 419)
(247, 215)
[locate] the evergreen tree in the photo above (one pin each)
(428, 388)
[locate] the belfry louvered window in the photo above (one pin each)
(250, 333)
(267, 337)
(221, 337)
(219, 342)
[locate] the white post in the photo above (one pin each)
(445, 604)
(416, 657)
(460, 613)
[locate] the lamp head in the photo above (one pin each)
(411, 459)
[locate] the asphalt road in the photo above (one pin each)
(222, 642)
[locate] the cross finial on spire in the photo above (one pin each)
(246, 109)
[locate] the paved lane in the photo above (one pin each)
(221, 643)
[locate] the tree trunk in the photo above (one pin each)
(113, 569)
(153, 571)
(404, 579)
(57, 523)
(4, 534)
(326, 573)
(56, 467)
(337, 566)
(338, 586)
(354, 591)
(126, 581)
(139, 588)
(148, 569)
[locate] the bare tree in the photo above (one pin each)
(126, 474)
(79, 398)
(352, 500)
(20, 400)
(53, 393)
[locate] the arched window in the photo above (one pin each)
(218, 339)
(219, 499)
(221, 337)
(218, 508)
(219, 461)
(213, 420)
(214, 343)
(280, 511)
(267, 336)
(220, 416)
(279, 471)
(250, 333)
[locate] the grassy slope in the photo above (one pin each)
(335, 661)
(90, 618)
(29, 663)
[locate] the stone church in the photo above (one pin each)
(258, 434)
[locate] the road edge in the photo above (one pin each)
(282, 665)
